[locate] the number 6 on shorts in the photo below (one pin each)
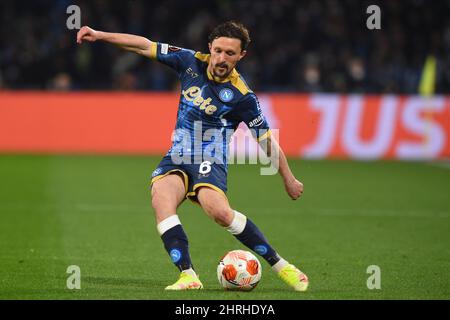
(205, 167)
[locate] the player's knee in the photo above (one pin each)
(160, 203)
(156, 203)
(222, 216)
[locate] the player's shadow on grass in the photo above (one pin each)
(153, 283)
(143, 283)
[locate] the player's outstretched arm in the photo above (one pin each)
(293, 187)
(129, 42)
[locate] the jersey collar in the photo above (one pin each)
(232, 76)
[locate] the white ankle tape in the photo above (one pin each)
(279, 265)
(167, 224)
(238, 224)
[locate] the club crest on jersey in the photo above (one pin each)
(226, 95)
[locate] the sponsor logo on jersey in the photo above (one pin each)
(257, 121)
(226, 95)
(194, 95)
(191, 73)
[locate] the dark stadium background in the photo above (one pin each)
(293, 43)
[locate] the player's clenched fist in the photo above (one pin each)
(294, 188)
(88, 34)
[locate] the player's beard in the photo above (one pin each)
(219, 74)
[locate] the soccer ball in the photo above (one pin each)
(239, 270)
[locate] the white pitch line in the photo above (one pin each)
(353, 212)
(382, 213)
(363, 212)
(77, 206)
(440, 164)
(111, 207)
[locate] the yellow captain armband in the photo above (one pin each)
(153, 50)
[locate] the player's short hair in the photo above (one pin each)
(231, 29)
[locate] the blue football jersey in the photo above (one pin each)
(209, 111)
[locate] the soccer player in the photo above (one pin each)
(214, 96)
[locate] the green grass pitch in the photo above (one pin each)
(95, 212)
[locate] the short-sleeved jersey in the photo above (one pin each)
(208, 110)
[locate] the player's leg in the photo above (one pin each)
(167, 194)
(217, 207)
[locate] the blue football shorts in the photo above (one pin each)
(205, 174)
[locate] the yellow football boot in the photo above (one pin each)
(186, 282)
(294, 278)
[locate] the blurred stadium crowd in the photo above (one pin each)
(306, 46)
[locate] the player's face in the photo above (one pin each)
(225, 54)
